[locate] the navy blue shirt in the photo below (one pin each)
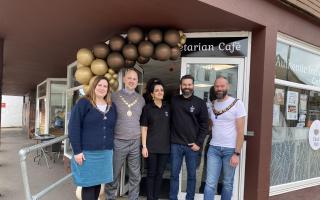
(88, 129)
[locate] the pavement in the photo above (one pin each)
(11, 186)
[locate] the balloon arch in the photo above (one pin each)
(108, 58)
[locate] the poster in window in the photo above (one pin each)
(292, 105)
(303, 103)
(279, 96)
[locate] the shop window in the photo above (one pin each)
(294, 163)
(293, 159)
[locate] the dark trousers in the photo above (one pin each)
(156, 166)
(91, 193)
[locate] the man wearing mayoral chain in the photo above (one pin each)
(127, 135)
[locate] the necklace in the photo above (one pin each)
(104, 112)
(129, 105)
(220, 112)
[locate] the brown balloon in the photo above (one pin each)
(116, 43)
(145, 49)
(172, 37)
(129, 63)
(143, 60)
(135, 35)
(155, 36)
(115, 61)
(101, 50)
(130, 52)
(175, 53)
(162, 52)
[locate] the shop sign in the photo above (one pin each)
(314, 135)
(215, 47)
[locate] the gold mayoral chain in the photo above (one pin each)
(220, 112)
(129, 112)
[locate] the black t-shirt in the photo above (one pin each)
(158, 122)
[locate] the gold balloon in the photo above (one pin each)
(83, 75)
(115, 85)
(183, 39)
(85, 56)
(80, 65)
(130, 52)
(172, 37)
(155, 36)
(175, 53)
(115, 76)
(181, 33)
(135, 35)
(99, 67)
(179, 45)
(108, 76)
(116, 43)
(115, 61)
(162, 52)
(145, 49)
(112, 81)
(111, 71)
(101, 50)
(86, 88)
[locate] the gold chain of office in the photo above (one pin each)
(220, 112)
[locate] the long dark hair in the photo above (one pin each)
(149, 89)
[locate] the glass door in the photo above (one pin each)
(205, 71)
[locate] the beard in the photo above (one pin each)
(187, 92)
(221, 94)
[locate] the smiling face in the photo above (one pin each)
(187, 87)
(101, 89)
(158, 92)
(221, 87)
(130, 80)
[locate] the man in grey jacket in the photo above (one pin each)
(127, 136)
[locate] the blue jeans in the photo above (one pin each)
(191, 158)
(217, 158)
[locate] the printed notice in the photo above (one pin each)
(292, 105)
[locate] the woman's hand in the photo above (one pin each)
(145, 152)
(79, 158)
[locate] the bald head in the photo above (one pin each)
(221, 87)
(130, 79)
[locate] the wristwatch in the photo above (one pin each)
(236, 153)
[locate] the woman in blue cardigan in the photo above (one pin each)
(90, 128)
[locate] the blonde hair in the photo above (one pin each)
(91, 95)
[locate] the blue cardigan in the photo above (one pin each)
(88, 130)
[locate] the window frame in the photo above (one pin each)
(297, 185)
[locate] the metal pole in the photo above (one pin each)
(49, 188)
(23, 154)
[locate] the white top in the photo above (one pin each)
(224, 130)
(102, 108)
